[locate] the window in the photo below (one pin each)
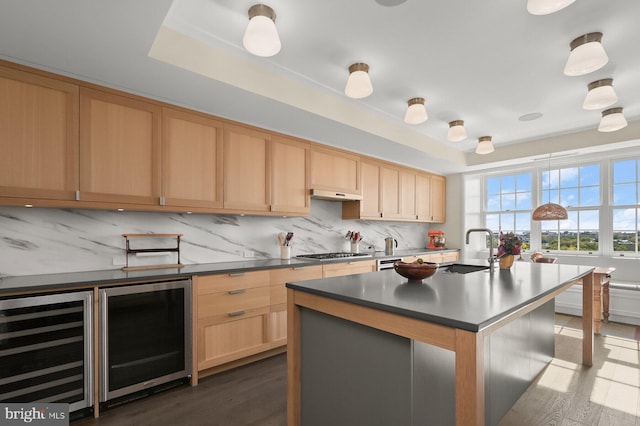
(508, 205)
(578, 190)
(625, 200)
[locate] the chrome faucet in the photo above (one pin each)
(492, 259)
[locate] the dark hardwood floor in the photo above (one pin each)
(564, 394)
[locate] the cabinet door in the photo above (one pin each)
(38, 137)
(191, 159)
(390, 192)
(289, 183)
(333, 170)
(370, 205)
(423, 197)
(119, 149)
(438, 199)
(246, 169)
(408, 195)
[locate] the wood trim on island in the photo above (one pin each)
(467, 345)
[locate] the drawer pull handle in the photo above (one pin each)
(237, 291)
(237, 313)
(236, 274)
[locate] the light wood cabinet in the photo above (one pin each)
(348, 268)
(444, 257)
(246, 169)
(390, 192)
(289, 178)
(408, 195)
(38, 137)
(334, 170)
(119, 149)
(232, 317)
(191, 160)
(430, 198)
(369, 207)
(278, 298)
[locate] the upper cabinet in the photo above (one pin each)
(38, 137)
(369, 207)
(119, 149)
(398, 193)
(246, 166)
(289, 178)
(335, 171)
(191, 160)
(430, 198)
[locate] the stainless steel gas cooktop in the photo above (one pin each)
(333, 256)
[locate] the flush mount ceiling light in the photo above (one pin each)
(359, 84)
(545, 7)
(612, 120)
(261, 37)
(416, 112)
(485, 146)
(587, 55)
(456, 131)
(600, 94)
(550, 211)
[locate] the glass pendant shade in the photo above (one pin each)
(612, 120)
(456, 131)
(485, 146)
(550, 211)
(359, 84)
(600, 94)
(587, 55)
(261, 36)
(416, 112)
(545, 7)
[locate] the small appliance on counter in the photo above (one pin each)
(390, 245)
(436, 239)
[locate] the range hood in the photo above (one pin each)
(320, 194)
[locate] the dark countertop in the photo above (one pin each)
(71, 280)
(468, 301)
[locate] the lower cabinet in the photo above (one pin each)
(232, 318)
(348, 268)
(445, 257)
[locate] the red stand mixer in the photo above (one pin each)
(436, 239)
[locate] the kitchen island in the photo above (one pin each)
(454, 349)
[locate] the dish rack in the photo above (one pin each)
(135, 251)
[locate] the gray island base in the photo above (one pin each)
(457, 349)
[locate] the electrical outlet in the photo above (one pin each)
(248, 253)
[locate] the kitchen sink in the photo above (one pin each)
(459, 268)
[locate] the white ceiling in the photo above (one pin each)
(486, 62)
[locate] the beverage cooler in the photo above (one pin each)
(46, 349)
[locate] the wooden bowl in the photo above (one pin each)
(415, 271)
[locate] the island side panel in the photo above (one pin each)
(293, 360)
(352, 374)
(587, 320)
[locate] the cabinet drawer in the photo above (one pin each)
(223, 283)
(285, 275)
(348, 268)
(233, 302)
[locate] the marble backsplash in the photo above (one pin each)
(39, 241)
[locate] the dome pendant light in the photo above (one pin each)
(612, 120)
(600, 94)
(485, 146)
(261, 36)
(359, 84)
(587, 55)
(550, 211)
(456, 131)
(416, 112)
(545, 7)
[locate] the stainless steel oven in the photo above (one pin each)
(145, 335)
(386, 263)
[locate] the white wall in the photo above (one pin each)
(41, 241)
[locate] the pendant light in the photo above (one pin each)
(587, 55)
(456, 131)
(416, 112)
(261, 36)
(550, 211)
(359, 84)
(545, 7)
(612, 120)
(600, 94)
(485, 146)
